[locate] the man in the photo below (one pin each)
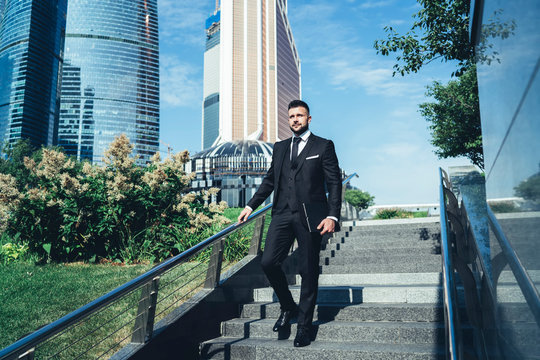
(301, 167)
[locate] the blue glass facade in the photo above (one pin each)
(509, 92)
(31, 53)
(211, 120)
(110, 80)
(211, 101)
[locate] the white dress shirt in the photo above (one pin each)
(302, 143)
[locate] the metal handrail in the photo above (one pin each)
(64, 322)
(524, 281)
(448, 275)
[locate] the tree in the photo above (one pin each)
(529, 188)
(441, 31)
(359, 199)
(454, 118)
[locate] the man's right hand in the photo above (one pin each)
(244, 215)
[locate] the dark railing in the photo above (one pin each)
(149, 283)
(479, 281)
(449, 287)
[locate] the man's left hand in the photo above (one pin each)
(326, 226)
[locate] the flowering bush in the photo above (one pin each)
(68, 210)
(11, 252)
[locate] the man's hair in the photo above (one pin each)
(298, 103)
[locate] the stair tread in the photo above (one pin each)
(386, 324)
(318, 345)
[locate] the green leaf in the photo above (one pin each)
(47, 248)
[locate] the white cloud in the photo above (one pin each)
(400, 150)
(182, 21)
(335, 48)
(181, 83)
(351, 67)
(395, 22)
(375, 4)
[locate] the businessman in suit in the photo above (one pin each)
(302, 168)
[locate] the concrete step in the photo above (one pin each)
(347, 251)
(355, 236)
(510, 294)
(384, 223)
(427, 278)
(226, 348)
(417, 235)
(419, 294)
(346, 331)
(515, 312)
(381, 244)
(422, 229)
(521, 333)
(354, 312)
(363, 267)
(395, 259)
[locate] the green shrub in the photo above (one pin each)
(393, 213)
(503, 207)
(66, 210)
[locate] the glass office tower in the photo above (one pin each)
(210, 131)
(110, 80)
(251, 72)
(31, 53)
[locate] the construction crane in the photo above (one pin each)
(169, 148)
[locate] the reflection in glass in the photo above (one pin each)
(509, 91)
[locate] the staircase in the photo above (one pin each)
(379, 298)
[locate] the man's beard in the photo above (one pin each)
(300, 131)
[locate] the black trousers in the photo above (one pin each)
(284, 228)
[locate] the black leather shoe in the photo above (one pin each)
(303, 337)
(284, 318)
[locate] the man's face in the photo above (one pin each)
(299, 120)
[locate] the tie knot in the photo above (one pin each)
(297, 139)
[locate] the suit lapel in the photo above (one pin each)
(281, 157)
(305, 151)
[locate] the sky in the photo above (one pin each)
(371, 116)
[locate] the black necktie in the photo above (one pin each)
(294, 154)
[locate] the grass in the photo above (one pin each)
(420, 214)
(33, 296)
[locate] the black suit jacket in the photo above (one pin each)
(317, 165)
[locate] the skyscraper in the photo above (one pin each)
(31, 53)
(110, 79)
(251, 72)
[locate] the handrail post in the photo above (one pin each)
(214, 266)
(27, 355)
(144, 324)
(256, 239)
